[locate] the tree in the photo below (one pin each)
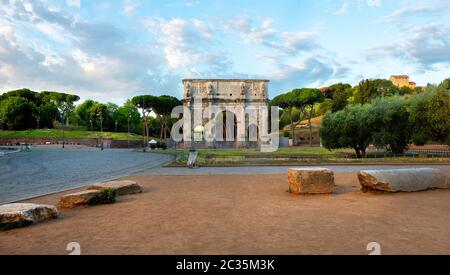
(64, 102)
(308, 97)
(17, 113)
(418, 109)
(325, 106)
(389, 119)
(369, 89)
(25, 93)
(47, 115)
(340, 99)
(347, 128)
(98, 112)
(429, 113)
(82, 112)
(291, 103)
(145, 103)
(127, 116)
(163, 106)
(438, 111)
(110, 122)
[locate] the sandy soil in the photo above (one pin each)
(235, 214)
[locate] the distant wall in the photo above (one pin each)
(125, 144)
(91, 142)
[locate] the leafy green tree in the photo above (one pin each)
(47, 115)
(98, 112)
(25, 93)
(128, 117)
(17, 113)
(340, 99)
(64, 102)
(429, 114)
(438, 111)
(325, 106)
(145, 104)
(82, 112)
(389, 119)
(369, 89)
(163, 107)
(110, 122)
(293, 108)
(347, 128)
(418, 109)
(308, 98)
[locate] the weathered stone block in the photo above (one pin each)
(78, 198)
(122, 187)
(402, 180)
(22, 214)
(310, 180)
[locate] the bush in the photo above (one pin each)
(106, 196)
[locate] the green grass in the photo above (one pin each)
(249, 152)
(285, 156)
(57, 133)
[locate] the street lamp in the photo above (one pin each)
(128, 129)
(101, 121)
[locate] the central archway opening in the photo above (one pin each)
(226, 127)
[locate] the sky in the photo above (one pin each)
(112, 50)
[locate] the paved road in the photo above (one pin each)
(46, 170)
(270, 169)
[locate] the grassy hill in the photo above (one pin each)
(57, 133)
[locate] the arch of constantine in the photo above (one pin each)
(225, 113)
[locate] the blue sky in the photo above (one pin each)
(113, 50)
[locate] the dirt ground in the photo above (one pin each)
(236, 214)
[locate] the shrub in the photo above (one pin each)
(106, 196)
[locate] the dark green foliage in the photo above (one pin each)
(429, 114)
(83, 113)
(127, 117)
(16, 113)
(24, 109)
(438, 111)
(347, 128)
(9, 226)
(106, 196)
(389, 120)
(300, 100)
(369, 89)
(48, 114)
(340, 99)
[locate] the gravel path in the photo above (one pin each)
(250, 170)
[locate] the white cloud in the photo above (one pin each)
(373, 3)
(74, 3)
(130, 6)
(409, 11)
(426, 45)
(286, 42)
(186, 43)
(343, 9)
(96, 60)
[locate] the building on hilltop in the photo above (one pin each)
(402, 81)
